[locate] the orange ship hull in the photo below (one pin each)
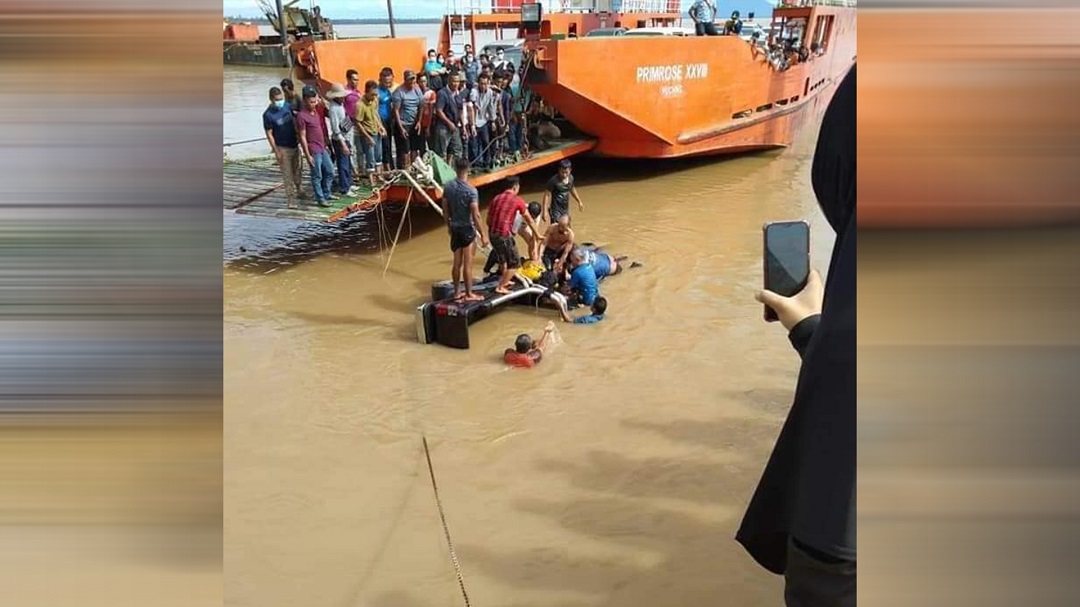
(321, 63)
(670, 96)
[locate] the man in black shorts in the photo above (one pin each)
(461, 209)
(560, 189)
(501, 214)
(558, 242)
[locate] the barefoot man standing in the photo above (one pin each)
(501, 213)
(461, 208)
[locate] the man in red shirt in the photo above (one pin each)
(501, 213)
(526, 353)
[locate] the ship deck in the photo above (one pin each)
(253, 186)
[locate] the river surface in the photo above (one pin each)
(614, 474)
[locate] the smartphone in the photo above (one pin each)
(787, 259)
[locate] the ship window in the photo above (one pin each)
(764, 108)
(795, 98)
(826, 32)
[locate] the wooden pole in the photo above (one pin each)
(390, 14)
(398, 235)
(420, 189)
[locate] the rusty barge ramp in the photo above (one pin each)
(254, 186)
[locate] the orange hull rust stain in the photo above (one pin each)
(324, 62)
(671, 96)
(972, 122)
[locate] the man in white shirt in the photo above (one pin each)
(484, 113)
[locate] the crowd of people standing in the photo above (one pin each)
(472, 108)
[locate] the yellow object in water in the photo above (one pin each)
(531, 270)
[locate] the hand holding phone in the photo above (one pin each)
(787, 267)
(792, 310)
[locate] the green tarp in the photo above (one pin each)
(444, 173)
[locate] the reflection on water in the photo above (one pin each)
(614, 474)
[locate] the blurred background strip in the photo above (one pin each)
(967, 115)
(110, 304)
(969, 271)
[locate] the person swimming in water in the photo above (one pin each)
(526, 352)
(596, 313)
(604, 264)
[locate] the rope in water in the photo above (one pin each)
(446, 530)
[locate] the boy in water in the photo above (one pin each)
(527, 353)
(599, 308)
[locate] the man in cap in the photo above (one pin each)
(560, 189)
(341, 134)
(312, 129)
(405, 104)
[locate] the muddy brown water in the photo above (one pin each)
(613, 474)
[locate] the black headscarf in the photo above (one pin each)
(808, 487)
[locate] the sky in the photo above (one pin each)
(412, 9)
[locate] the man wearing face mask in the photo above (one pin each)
(801, 521)
(280, 127)
(471, 66)
(500, 60)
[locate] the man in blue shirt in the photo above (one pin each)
(583, 279)
(280, 127)
(446, 131)
(599, 307)
(386, 83)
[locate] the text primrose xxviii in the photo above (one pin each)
(672, 75)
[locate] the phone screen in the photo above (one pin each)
(787, 259)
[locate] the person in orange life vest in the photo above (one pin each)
(527, 353)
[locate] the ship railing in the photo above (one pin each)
(809, 3)
(478, 7)
(639, 6)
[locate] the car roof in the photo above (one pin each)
(660, 31)
(605, 30)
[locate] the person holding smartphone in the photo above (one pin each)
(801, 520)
